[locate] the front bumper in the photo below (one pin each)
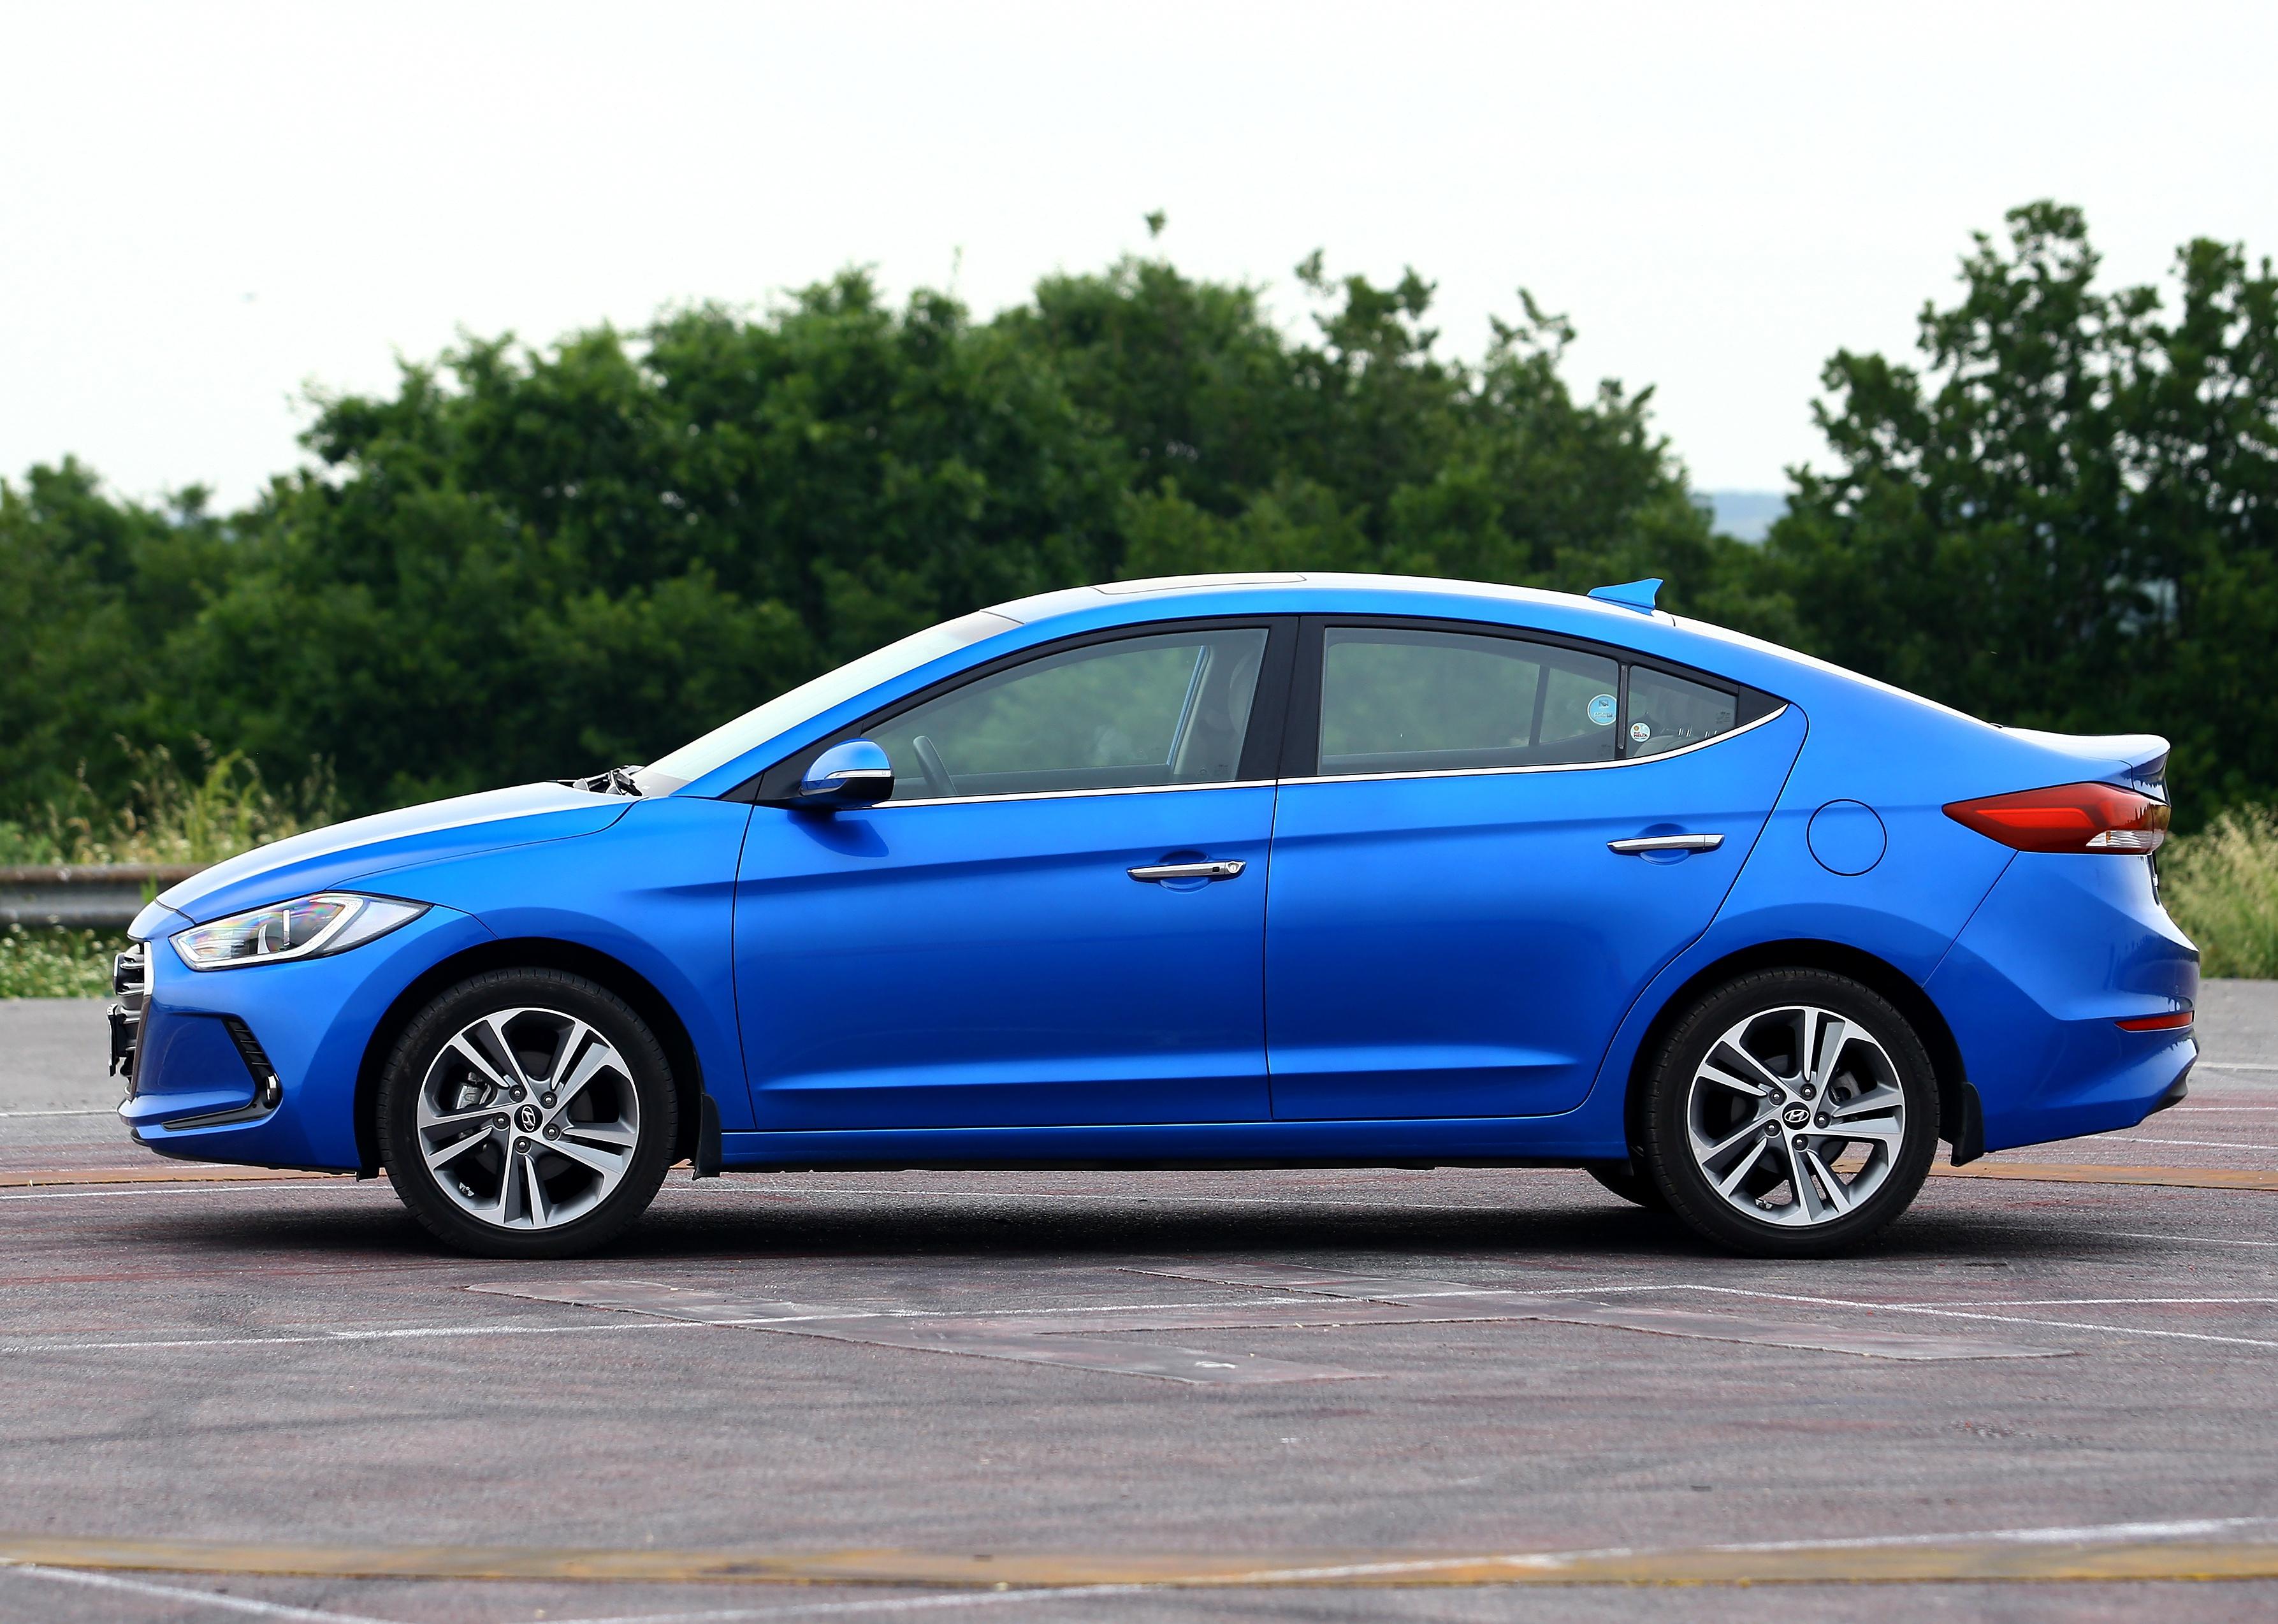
(259, 1064)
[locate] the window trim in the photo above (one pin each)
(1301, 733)
(1261, 745)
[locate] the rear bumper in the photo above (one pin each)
(2062, 949)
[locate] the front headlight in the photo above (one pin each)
(306, 928)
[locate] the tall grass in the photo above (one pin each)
(223, 807)
(171, 817)
(2222, 885)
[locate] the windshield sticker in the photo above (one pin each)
(1601, 710)
(1639, 732)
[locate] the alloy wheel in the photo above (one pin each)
(528, 1119)
(1796, 1117)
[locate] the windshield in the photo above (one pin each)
(723, 743)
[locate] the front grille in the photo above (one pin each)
(130, 979)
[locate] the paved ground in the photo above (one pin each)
(933, 1378)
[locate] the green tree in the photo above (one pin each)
(2068, 517)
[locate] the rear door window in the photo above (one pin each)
(1395, 700)
(1667, 713)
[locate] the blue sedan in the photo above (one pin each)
(1259, 872)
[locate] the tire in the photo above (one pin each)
(494, 1158)
(1754, 1054)
(1625, 1180)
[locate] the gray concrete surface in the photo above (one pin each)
(295, 1363)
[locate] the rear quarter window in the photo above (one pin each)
(1667, 713)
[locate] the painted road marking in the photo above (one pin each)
(219, 1601)
(1029, 1341)
(1868, 1341)
(2180, 1178)
(197, 1173)
(2115, 1552)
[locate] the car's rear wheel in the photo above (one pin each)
(527, 1113)
(1791, 1114)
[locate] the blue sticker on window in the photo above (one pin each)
(1601, 709)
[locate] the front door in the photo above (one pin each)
(1453, 930)
(1058, 919)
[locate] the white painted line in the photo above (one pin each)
(200, 1187)
(1998, 1319)
(2196, 1240)
(409, 1332)
(2200, 1144)
(176, 1593)
(2097, 1302)
(901, 1604)
(2208, 1065)
(11, 1115)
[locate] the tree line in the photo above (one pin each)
(531, 562)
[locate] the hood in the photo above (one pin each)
(363, 846)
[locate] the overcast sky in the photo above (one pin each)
(210, 208)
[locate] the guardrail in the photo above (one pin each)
(84, 896)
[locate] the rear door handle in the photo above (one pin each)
(1186, 870)
(1666, 842)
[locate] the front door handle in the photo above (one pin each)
(1186, 870)
(1666, 842)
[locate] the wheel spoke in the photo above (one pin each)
(1836, 1193)
(1709, 1155)
(607, 1162)
(1875, 1102)
(1750, 1065)
(622, 1135)
(1731, 1182)
(438, 1155)
(539, 1216)
(484, 1067)
(596, 1059)
(497, 1025)
(1807, 1200)
(1722, 1079)
(1877, 1132)
(1824, 1036)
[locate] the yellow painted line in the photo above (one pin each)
(190, 1173)
(1956, 1561)
(2091, 1173)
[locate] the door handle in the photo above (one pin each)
(1666, 842)
(1186, 870)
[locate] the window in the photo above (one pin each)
(1125, 715)
(1667, 713)
(1397, 701)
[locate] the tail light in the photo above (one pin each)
(2070, 817)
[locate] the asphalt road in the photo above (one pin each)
(1361, 1394)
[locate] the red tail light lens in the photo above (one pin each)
(2172, 1023)
(2071, 818)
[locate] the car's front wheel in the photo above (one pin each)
(1791, 1114)
(527, 1113)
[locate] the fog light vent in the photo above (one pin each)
(267, 1089)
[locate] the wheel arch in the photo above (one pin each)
(1954, 1111)
(533, 953)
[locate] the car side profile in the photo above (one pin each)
(1273, 870)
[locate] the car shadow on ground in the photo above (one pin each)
(1045, 1228)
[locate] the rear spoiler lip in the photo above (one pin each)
(2137, 761)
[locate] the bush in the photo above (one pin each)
(42, 963)
(2222, 885)
(168, 818)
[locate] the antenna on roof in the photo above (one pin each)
(1636, 596)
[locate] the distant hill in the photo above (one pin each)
(1746, 515)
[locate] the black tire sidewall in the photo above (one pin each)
(1668, 1152)
(450, 1011)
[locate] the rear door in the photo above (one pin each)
(1460, 910)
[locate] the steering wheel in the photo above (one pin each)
(936, 776)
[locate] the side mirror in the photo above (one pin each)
(853, 774)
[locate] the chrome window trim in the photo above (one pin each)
(1497, 772)
(1124, 789)
(1336, 777)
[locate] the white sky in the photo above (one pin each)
(205, 209)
